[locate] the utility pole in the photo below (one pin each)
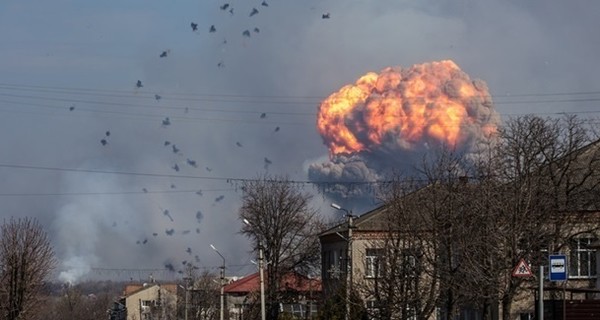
(349, 267)
(221, 310)
(261, 266)
(348, 258)
(187, 297)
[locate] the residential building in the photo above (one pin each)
(367, 252)
(300, 296)
(150, 301)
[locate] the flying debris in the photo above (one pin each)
(197, 230)
(238, 144)
(173, 186)
(194, 26)
(185, 232)
(199, 192)
(256, 30)
(157, 97)
(219, 198)
(107, 133)
(254, 12)
(114, 224)
(246, 33)
(104, 142)
(145, 190)
(325, 15)
(263, 115)
(277, 129)
(231, 11)
(145, 241)
(184, 262)
(166, 122)
(188, 250)
(192, 163)
(163, 54)
(169, 267)
(139, 84)
(208, 169)
(167, 143)
(137, 242)
(264, 4)
(71, 108)
(212, 29)
(175, 167)
(154, 234)
(168, 214)
(225, 6)
(175, 149)
(186, 110)
(221, 64)
(199, 216)
(170, 232)
(267, 163)
(197, 258)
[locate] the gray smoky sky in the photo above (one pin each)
(69, 71)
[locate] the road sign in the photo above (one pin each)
(522, 269)
(558, 267)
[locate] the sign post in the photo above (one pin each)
(558, 267)
(522, 269)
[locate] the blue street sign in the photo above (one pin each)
(558, 267)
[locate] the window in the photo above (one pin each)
(332, 262)
(582, 258)
(526, 316)
(373, 263)
(373, 309)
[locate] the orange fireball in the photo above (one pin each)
(403, 108)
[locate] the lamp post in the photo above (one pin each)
(187, 300)
(221, 310)
(348, 257)
(261, 267)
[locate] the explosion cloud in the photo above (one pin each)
(386, 121)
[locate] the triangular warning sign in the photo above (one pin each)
(522, 269)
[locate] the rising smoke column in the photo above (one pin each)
(388, 121)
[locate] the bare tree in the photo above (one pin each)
(26, 259)
(282, 222)
(75, 305)
(551, 169)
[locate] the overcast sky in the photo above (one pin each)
(68, 74)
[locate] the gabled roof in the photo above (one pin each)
(371, 220)
(132, 289)
(291, 281)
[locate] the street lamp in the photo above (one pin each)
(187, 299)
(348, 257)
(261, 267)
(221, 311)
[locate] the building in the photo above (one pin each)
(150, 301)
(300, 296)
(440, 273)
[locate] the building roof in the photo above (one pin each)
(291, 281)
(134, 288)
(367, 221)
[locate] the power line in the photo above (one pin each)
(109, 193)
(159, 175)
(146, 106)
(141, 115)
(180, 94)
